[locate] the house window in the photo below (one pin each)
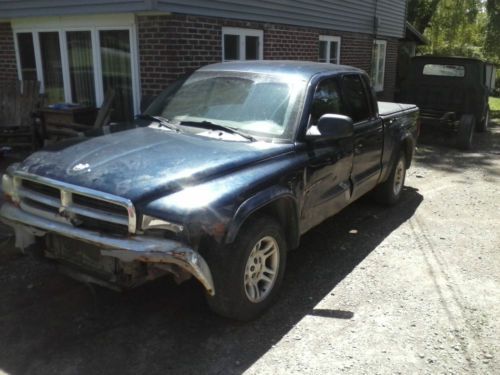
(329, 49)
(78, 64)
(378, 64)
(241, 44)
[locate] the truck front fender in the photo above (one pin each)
(279, 200)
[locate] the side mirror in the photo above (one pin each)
(331, 126)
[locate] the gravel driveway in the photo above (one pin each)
(410, 289)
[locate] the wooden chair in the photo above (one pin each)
(75, 129)
(19, 103)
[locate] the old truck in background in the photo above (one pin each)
(233, 166)
(451, 91)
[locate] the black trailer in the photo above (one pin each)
(451, 91)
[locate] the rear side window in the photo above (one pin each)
(444, 70)
(354, 94)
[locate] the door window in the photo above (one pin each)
(326, 100)
(116, 71)
(26, 56)
(81, 67)
(52, 66)
(354, 93)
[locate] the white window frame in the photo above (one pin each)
(379, 85)
(93, 24)
(243, 33)
(331, 39)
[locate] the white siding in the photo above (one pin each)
(342, 15)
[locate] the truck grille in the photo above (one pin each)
(82, 207)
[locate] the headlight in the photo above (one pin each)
(8, 185)
(149, 222)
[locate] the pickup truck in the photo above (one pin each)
(228, 170)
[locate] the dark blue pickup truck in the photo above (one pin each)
(229, 168)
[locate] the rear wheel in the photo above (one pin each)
(389, 192)
(248, 273)
(466, 132)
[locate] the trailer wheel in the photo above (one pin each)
(483, 125)
(466, 128)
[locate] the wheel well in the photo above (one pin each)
(284, 211)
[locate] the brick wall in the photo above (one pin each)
(172, 45)
(282, 42)
(8, 69)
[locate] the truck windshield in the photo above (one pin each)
(257, 104)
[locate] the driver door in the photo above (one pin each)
(327, 187)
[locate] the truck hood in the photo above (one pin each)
(147, 163)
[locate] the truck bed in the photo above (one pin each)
(388, 109)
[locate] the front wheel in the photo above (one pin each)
(248, 273)
(389, 192)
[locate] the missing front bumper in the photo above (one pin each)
(130, 249)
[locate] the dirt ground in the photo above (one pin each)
(410, 289)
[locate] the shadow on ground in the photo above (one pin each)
(436, 149)
(51, 324)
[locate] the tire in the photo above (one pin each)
(389, 192)
(466, 132)
(243, 290)
(483, 125)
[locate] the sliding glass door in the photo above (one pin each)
(82, 65)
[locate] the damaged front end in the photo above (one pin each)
(92, 235)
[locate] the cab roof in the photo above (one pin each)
(305, 69)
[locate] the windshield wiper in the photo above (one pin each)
(212, 126)
(162, 121)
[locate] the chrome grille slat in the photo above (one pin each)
(97, 214)
(73, 203)
(45, 199)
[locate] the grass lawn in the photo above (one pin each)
(495, 107)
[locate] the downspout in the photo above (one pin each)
(375, 20)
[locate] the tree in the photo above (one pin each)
(492, 42)
(457, 28)
(420, 13)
